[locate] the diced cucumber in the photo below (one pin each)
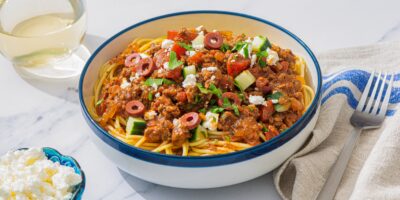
(260, 43)
(244, 80)
(198, 42)
(189, 70)
(135, 126)
(199, 133)
(281, 108)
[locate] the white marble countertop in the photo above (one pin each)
(35, 113)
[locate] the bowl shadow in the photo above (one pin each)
(66, 89)
(253, 189)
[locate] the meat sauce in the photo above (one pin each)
(216, 64)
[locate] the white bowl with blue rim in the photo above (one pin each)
(208, 171)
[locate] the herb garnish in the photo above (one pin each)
(202, 88)
(214, 90)
(239, 45)
(158, 81)
(150, 96)
(173, 61)
(216, 109)
(186, 46)
(225, 47)
(260, 56)
(235, 109)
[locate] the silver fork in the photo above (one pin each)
(369, 114)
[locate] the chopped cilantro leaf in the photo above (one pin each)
(158, 81)
(260, 58)
(167, 81)
(196, 99)
(275, 95)
(150, 96)
(213, 101)
(246, 50)
(186, 46)
(173, 61)
(201, 88)
(235, 109)
(214, 90)
(226, 103)
(99, 102)
(239, 45)
(203, 110)
(225, 47)
(217, 109)
(264, 129)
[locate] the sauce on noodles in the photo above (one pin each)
(198, 92)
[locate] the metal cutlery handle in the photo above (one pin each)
(336, 173)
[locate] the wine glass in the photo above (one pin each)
(42, 38)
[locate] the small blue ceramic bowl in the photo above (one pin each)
(68, 161)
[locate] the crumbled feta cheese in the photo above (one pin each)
(125, 83)
(161, 70)
(190, 80)
(175, 122)
(134, 77)
(253, 60)
(272, 57)
(166, 44)
(154, 86)
(28, 173)
(274, 101)
(199, 28)
(198, 42)
(157, 95)
(256, 100)
(150, 115)
(210, 69)
(166, 66)
(190, 53)
(211, 121)
(212, 77)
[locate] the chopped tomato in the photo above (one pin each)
(172, 34)
(196, 59)
(236, 64)
(178, 50)
(271, 133)
(174, 74)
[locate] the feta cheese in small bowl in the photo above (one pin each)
(40, 173)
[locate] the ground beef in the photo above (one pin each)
(247, 130)
(158, 130)
(179, 135)
(227, 120)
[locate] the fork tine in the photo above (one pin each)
(385, 102)
(364, 96)
(372, 97)
(378, 99)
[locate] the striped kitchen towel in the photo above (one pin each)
(374, 169)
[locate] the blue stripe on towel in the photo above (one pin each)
(358, 78)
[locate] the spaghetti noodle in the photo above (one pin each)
(200, 93)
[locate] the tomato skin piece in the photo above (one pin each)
(236, 64)
(171, 34)
(174, 74)
(196, 59)
(178, 50)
